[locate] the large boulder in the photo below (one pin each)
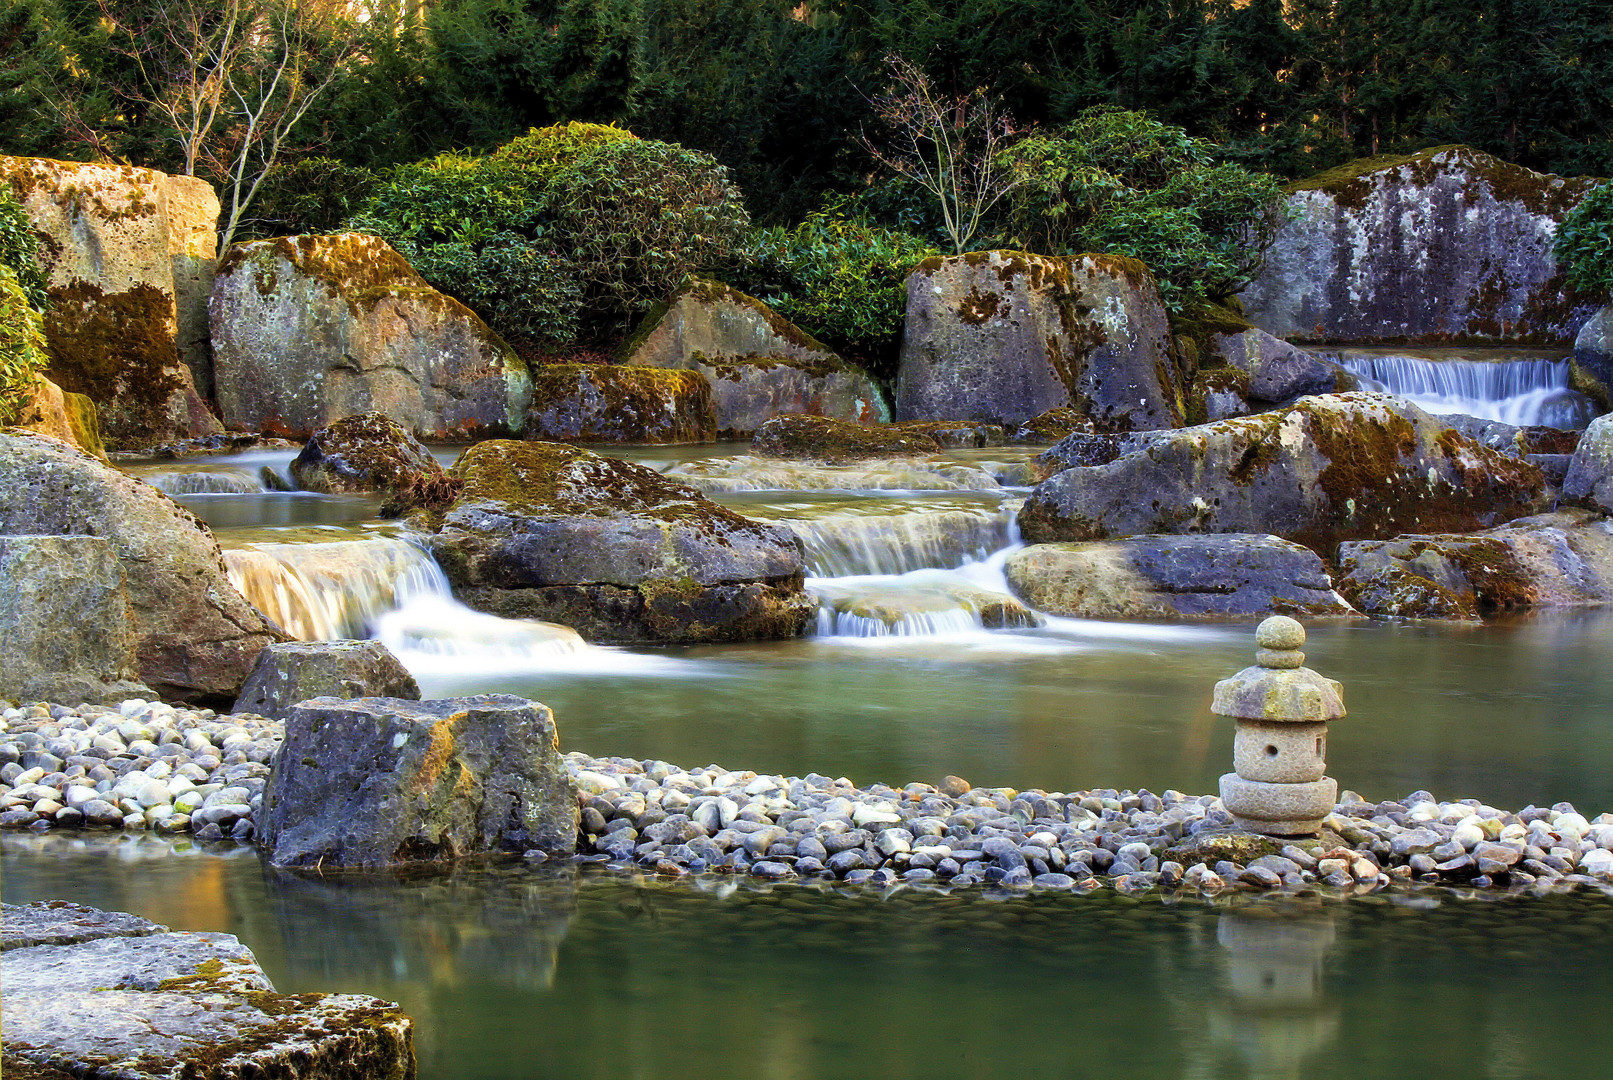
(1553, 560)
(65, 629)
(835, 442)
(1174, 577)
(196, 637)
(612, 549)
(1004, 336)
(309, 329)
(364, 453)
(292, 672)
(374, 782)
(1277, 371)
(1593, 357)
(1449, 244)
(759, 363)
(112, 995)
(609, 404)
(127, 251)
(1590, 471)
(1323, 470)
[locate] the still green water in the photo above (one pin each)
(517, 973)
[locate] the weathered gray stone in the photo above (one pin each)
(1276, 370)
(171, 1006)
(1003, 336)
(309, 329)
(1171, 577)
(1449, 244)
(1590, 473)
(58, 922)
(363, 453)
(759, 364)
(1593, 355)
(1552, 560)
(125, 250)
(195, 636)
(295, 671)
(615, 550)
(66, 633)
(1325, 469)
(616, 404)
(375, 782)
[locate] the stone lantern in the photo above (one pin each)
(1279, 750)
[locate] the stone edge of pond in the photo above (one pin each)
(173, 770)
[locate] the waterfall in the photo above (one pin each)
(208, 482)
(843, 545)
(921, 603)
(1520, 392)
(337, 590)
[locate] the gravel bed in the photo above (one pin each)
(153, 766)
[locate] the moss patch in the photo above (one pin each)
(818, 438)
(118, 350)
(621, 404)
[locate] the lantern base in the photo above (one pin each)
(1279, 809)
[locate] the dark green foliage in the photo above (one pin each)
(1121, 181)
(314, 195)
(22, 347)
(526, 292)
(840, 279)
(1585, 243)
(19, 248)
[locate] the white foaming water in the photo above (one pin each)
(847, 545)
(747, 473)
(321, 592)
(1519, 392)
(206, 482)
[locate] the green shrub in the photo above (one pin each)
(314, 195)
(517, 286)
(840, 279)
(19, 248)
(1122, 182)
(22, 346)
(1585, 243)
(559, 144)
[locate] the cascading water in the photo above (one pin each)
(206, 482)
(847, 545)
(319, 592)
(1516, 391)
(716, 476)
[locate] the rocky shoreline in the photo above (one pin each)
(152, 766)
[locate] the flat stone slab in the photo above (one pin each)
(171, 1005)
(57, 922)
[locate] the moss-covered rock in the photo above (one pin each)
(835, 442)
(309, 329)
(956, 434)
(364, 453)
(1446, 245)
(125, 251)
(759, 364)
(1589, 481)
(1003, 336)
(1051, 426)
(1593, 358)
(601, 403)
(1323, 470)
(613, 549)
(72, 418)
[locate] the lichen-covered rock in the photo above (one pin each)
(154, 1005)
(374, 782)
(1003, 336)
(759, 363)
(1593, 357)
(835, 442)
(1051, 426)
(1553, 560)
(629, 405)
(1449, 244)
(1174, 577)
(292, 672)
(309, 329)
(1590, 472)
(60, 922)
(612, 549)
(195, 636)
(1276, 370)
(71, 418)
(125, 250)
(1325, 469)
(956, 434)
(65, 629)
(368, 452)
(1526, 441)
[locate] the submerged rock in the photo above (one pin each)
(609, 404)
(1174, 577)
(613, 549)
(1553, 560)
(1325, 469)
(66, 631)
(196, 637)
(309, 329)
(1590, 473)
(171, 1006)
(758, 363)
(368, 452)
(295, 671)
(835, 442)
(129, 255)
(1448, 244)
(1004, 336)
(375, 782)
